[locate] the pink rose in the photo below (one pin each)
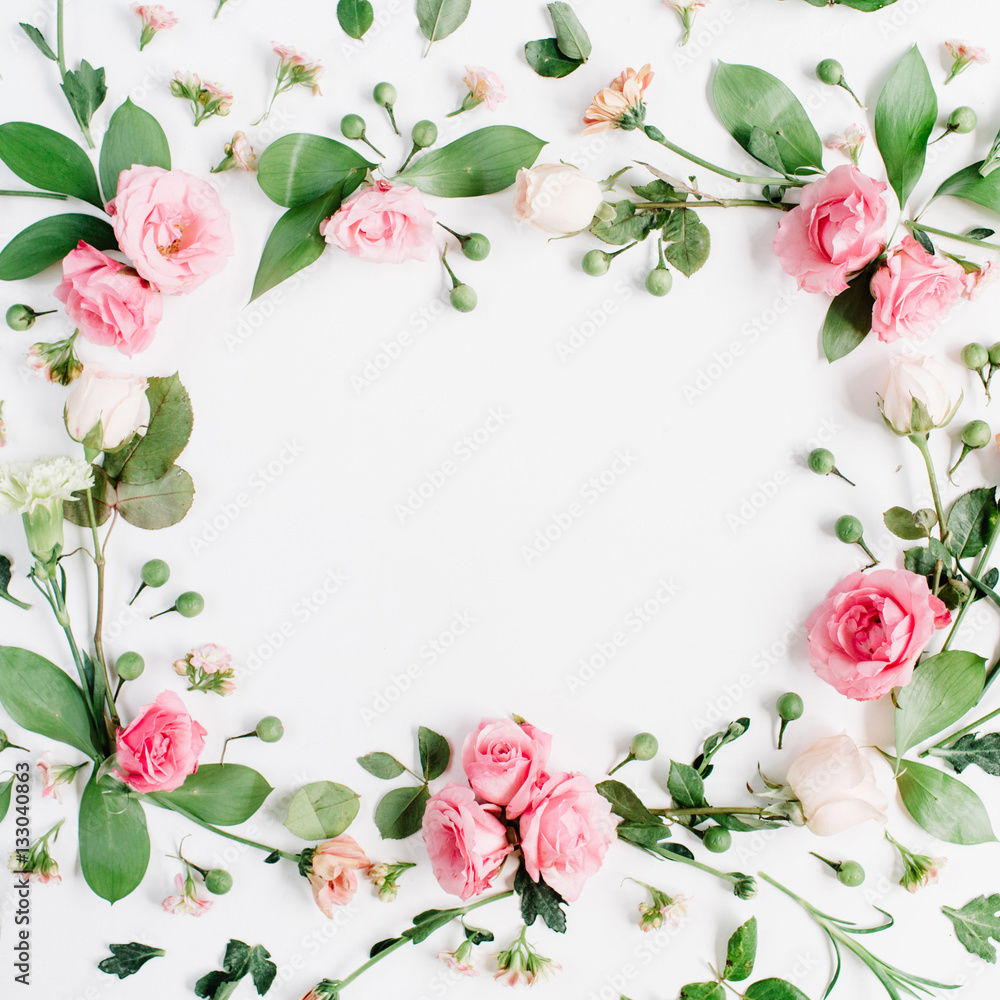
(565, 833)
(866, 637)
(465, 841)
(172, 227)
(108, 300)
(502, 760)
(913, 290)
(837, 229)
(333, 872)
(386, 223)
(160, 747)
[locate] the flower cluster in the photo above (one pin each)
(207, 98)
(208, 669)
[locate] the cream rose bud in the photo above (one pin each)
(556, 198)
(922, 381)
(116, 400)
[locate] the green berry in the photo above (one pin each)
(384, 94)
(270, 729)
(154, 573)
(995, 354)
(718, 839)
(975, 356)
(790, 707)
(129, 666)
(962, 120)
(821, 461)
(976, 434)
(848, 529)
(218, 881)
(596, 263)
(424, 134)
(21, 317)
(659, 281)
(476, 246)
(190, 604)
(850, 873)
(352, 126)
(644, 746)
(463, 298)
(830, 71)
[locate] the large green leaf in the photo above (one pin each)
(299, 168)
(321, 809)
(401, 812)
(571, 36)
(741, 952)
(133, 136)
(355, 16)
(970, 522)
(545, 58)
(685, 786)
(46, 242)
(943, 689)
(849, 318)
(49, 160)
(944, 806)
(748, 97)
(977, 922)
(904, 118)
(221, 794)
(159, 504)
(114, 843)
(435, 753)
(439, 18)
(481, 162)
(971, 186)
(775, 989)
(39, 696)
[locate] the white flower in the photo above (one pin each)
(923, 382)
(556, 198)
(116, 400)
(24, 487)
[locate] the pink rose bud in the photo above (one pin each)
(556, 198)
(502, 760)
(333, 872)
(117, 400)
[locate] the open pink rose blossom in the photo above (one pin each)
(502, 760)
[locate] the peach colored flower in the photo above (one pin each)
(619, 105)
(333, 870)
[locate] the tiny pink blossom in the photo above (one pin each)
(849, 142)
(186, 902)
(964, 56)
(54, 776)
(460, 960)
(156, 16)
(979, 280)
(484, 87)
(211, 658)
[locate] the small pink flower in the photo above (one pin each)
(687, 13)
(333, 872)
(54, 776)
(187, 901)
(979, 279)
(295, 68)
(484, 88)
(849, 142)
(460, 960)
(155, 18)
(211, 658)
(240, 155)
(964, 55)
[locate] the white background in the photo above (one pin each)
(715, 393)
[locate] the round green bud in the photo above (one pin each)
(975, 356)
(424, 134)
(218, 881)
(595, 263)
(154, 573)
(352, 126)
(850, 873)
(830, 71)
(790, 706)
(995, 354)
(962, 120)
(718, 839)
(463, 298)
(20, 317)
(476, 246)
(190, 604)
(384, 94)
(659, 281)
(644, 746)
(270, 729)
(976, 434)
(821, 461)
(129, 666)
(745, 888)
(848, 529)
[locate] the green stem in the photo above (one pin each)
(972, 241)
(10, 193)
(920, 440)
(980, 567)
(101, 563)
(60, 47)
(716, 203)
(958, 734)
(622, 763)
(757, 811)
(406, 163)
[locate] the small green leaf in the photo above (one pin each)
(77, 511)
(741, 952)
(539, 899)
(5, 577)
(321, 810)
(775, 989)
(970, 522)
(969, 185)
(46, 242)
(355, 16)
(297, 169)
(220, 794)
(382, 765)
(544, 57)
(133, 136)
(128, 959)
(690, 243)
(401, 812)
(764, 148)
(977, 922)
(159, 504)
(262, 969)
(383, 945)
(902, 524)
(435, 753)
(5, 790)
(944, 806)
(626, 226)
(39, 39)
(849, 318)
(114, 843)
(703, 991)
(685, 786)
(49, 160)
(972, 749)
(571, 37)
(649, 834)
(426, 923)
(625, 803)
(923, 560)
(439, 18)
(85, 91)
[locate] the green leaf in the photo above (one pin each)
(401, 812)
(538, 899)
(321, 810)
(77, 512)
(5, 790)
(114, 844)
(714, 743)
(943, 689)
(972, 749)
(5, 577)
(439, 18)
(382, 765)
(685, 786)
(85, 90)
(571, 37)
(219, 984)
(746, 96)
(970, 522)
(355, 16)
(158, 504)
(133, 136)
(775, 989)
(49, 160)
(426, 923)
(868, 6)
(299, 168)
(626, 226)
(262, 969)
(544, 57)
(39, 39)
(764, 148)
(703, 991)
(923, 560)
(649, 834)
(741, 952)
(904, 118)
(39, 696)
(435, 753)
(903, 524)
(46, 242)
(944, 806)
(383, 945)
(691, 243)
(977, 922)
(659, 191)
(127, 959)
(220, 794)
(849, 318)
(482, 162)
(625, 803)
(970, 185)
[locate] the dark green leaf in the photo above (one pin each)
(477, 935)
(741, 952)
(544, 57)
(659, 191)
(904, 118)
(219, 984)
(114, 844)
(685, 786)
(401, 812)
(355, 16)
(644, 834)
(714, 743)
(262, 969)
(221, 794)
(571, 37)
(133, 136)
(128, 959)
(5, 790)
(49, 160)
(923, 560)
(775, 989)
(539, 900)
(237, 959)
(625, 803)
(5, 577)
(972, 749)
(435, 753)
(924, 240)
(208, 986)
(39, 39)
(382, 765)
(426, 923)
(746, 96)
(980, 234)
(690, 241)
(626, 226)
(439, 18)
(297, 169)
(849, 318)
(703, 991)
(85, 90)
(321, 810)
(977, 922)
(863, 5)
(969, 185)
(970, 522)
(381, 946)
(944, 806)
(158, 504)
(678, 849)
(46, 242)
(482, 162)
(902, 524)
